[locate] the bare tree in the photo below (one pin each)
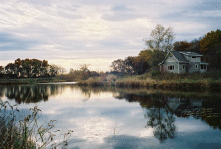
(161, 39)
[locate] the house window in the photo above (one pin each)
(171, 67)
(193, 56)
(196, 66)
(184, 67)
(203, 66)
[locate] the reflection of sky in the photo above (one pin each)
(104, 122)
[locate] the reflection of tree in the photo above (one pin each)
(144, 100)
(163, 123)
(209, 112)
(1, 91)
(159, 116)
(86, 92)
(30, 94)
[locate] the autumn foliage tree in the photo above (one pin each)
(181, 45)
(210, 45)
(31, 68)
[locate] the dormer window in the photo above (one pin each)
(193, 56)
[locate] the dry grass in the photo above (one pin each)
(162, 81)
(26, 133)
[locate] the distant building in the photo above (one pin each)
(183, 62)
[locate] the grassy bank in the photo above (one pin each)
(207, 81)
(28, 81)
(182, 84)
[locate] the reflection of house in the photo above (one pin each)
(183, 62)
(179, 105)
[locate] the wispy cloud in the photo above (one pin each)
(56, 29)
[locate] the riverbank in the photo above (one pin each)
(187, 82)
(161, 81)
(28, 81)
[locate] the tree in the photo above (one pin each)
(210, 45)
(156, 57)
(31, 68)
(147, 60)
(118, 66)
(181, 45)
(2, 70)
(161, 39)
(130, 65)
(142, 61)
(211, 40)
(10, 68)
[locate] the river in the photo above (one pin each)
(108, 117)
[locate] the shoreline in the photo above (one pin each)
(183, 84)
(27, 81)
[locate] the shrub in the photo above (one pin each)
(111, 79)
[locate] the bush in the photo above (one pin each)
(111, 79)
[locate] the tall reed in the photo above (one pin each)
(27, 133)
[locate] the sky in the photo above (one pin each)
(70, 33)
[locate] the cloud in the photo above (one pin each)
(48, 29)
(121, 8)
(9, 42)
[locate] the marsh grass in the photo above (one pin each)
(93, 81)
(196, 81)
(26, 133)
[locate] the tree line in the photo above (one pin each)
(160, 43)
(29, 68)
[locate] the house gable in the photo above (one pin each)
(171, 58)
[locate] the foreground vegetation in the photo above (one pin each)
(27, 133)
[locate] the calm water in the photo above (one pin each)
(124, 118)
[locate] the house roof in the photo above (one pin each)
(179, 57)
(204, 63)
(191, 53)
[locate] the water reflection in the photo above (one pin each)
(163, 123)
(28, 94)
(162, 110)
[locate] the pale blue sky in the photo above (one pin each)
(96, 32)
